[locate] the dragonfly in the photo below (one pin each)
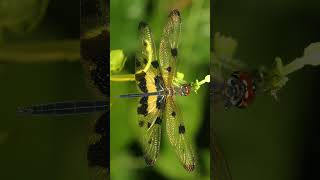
(157, 104)
(95, 55)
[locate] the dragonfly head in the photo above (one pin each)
(185, 90)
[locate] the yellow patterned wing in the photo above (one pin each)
(148, 79)
(177, 134)
(150, 124)
(168, 51)
(146, 65)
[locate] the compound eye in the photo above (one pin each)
(232, 81)
(187, 90)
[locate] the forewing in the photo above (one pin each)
(147, 66)
(220, 166)
(168, 51)
(150, 119)
(177, 134)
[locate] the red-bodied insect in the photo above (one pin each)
(238, 90)
(232, 88)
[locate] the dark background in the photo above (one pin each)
(272, 139)
(42, 147)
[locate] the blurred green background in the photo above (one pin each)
(41, 147)
(270, 139)
(126, 153)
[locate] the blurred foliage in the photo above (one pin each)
(17, 15)
(117, 60)
(126, 152)
(17, 19)
(278, 76)
(51, 51)
(50, 148)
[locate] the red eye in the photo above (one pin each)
(187, 90)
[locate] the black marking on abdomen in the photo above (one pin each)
(159, 86)
(182, 129)
(159, 102)
(158, 81)
(144, 100)
(174, 52)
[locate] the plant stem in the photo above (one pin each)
(50, 51)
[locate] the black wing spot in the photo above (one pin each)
(144, 100)
(142, 25)
(169, 69)
(141, 123)
(143, 109)
(140, 77)
(155, 64)
(159, 102)
(158, 81)
(145, 61)
(182, 129)
(158, 120)
(173, 114)
(174, 52)
(138, 64)
(150, 141)
(148, 125)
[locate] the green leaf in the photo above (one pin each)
(117, 60)
(224, 46)
(17, 15)
(196, 85)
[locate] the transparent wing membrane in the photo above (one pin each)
(168, 51)
(177, 134)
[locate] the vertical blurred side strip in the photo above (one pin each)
(95, 54)
(212, 149)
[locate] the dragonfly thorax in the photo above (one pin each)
(183, 90)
